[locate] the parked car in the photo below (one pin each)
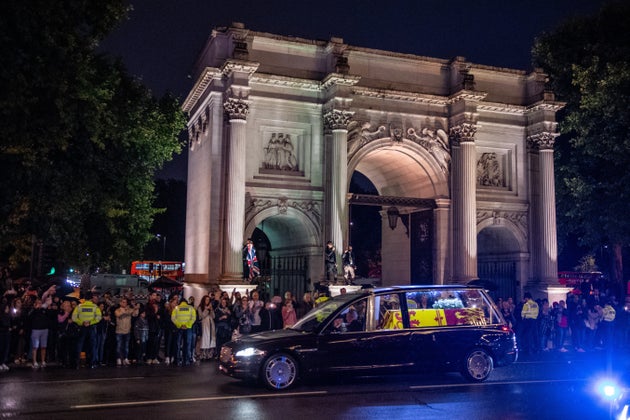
(380, 331)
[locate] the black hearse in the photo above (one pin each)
(380, 331)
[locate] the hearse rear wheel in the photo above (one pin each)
(477, 365)
(280, 371)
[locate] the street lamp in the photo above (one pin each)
(392, 217)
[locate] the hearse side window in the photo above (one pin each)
(447, 308)
(388, 312)
(350, 319)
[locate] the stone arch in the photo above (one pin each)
(426, 180)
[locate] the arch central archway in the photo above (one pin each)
(408, 178)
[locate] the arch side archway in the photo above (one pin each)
(502, 255)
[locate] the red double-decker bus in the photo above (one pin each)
(577, 278)
(151, 270)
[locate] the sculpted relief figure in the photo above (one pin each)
(279, 153)
(489, 173)
(363, 136)
(271, 153)
(287, 161)
(435, 142)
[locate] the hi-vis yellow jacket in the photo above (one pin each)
(608, 313)
(87, 311)
(530, 310)
(184, 315)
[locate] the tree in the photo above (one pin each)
(81, 139)
(588, 62)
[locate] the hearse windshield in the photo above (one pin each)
(312, 320)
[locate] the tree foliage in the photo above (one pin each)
(588, 61)
(81, 139)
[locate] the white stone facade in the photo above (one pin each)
(279, 124)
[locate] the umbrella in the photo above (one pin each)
(486, 284)
(163, 282)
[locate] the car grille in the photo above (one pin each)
(226, 354)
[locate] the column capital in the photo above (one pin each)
(236, 109)
(463, 133)
(336, 119)
(542, 141)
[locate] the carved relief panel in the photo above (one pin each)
(494, 168)
(280, 153)
(283, 149)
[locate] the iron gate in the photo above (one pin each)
(501, 273)
(286, 274)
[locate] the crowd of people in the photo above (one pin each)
(39, 328)
(582, 323)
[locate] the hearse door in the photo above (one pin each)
(341, 346)
(424, 348)
(366, 345)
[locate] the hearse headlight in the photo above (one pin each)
(249, 352)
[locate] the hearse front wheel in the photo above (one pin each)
(477, 365)
(280, 371)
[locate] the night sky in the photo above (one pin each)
(162, 38)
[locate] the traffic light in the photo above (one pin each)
(46, 259)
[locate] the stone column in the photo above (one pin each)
(236, 110)
(441, 268)
(464, 202)
(548, 254)
(336, 122)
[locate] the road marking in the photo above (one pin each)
(70, 381)
(180, 400)
(538, 381)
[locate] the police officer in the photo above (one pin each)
(529, 315)
(86, 315)
(184, 316)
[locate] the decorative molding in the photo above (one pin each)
(545, 106)
(209, 74)
(310, 208)
(384, 200)
(286, 82)
(466, 95)
(239, 66)
(503, 108)
(431, 137)
(236, 109)
(338, 79)
(518, 218)
(400, 96)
